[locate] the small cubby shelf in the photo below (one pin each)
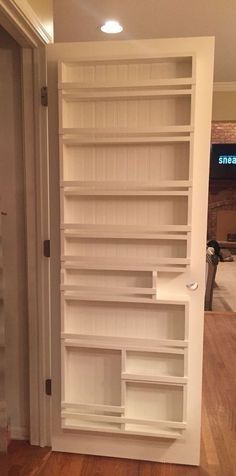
(167, 68)
(143, 247)
(111, 281)
(164, 165)
(118, 321)
(126, 210)
(163, 364)
(107, 108)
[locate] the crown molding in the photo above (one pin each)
(18, 15)
(224, 86)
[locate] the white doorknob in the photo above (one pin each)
(192, 286)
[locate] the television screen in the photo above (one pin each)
(223, 162)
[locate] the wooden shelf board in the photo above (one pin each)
(70, 191)
(126, 228)
(110, 267)
(134, 84)
(119, 263)
(135, 377)
(108, 342)
(109, 290)
(79, 140)
(139, 432)
(121, 419)
(116, 95)
(160, 299)
(122, 236)
(127, 132)
(176, 350)
(129, 59)
(93, 407)
(126, 186)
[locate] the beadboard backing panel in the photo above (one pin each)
(88, 376)
(126, 163)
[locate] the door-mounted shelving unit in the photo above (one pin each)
(125, 132)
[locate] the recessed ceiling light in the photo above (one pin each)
(111, 26)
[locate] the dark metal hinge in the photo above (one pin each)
(48, 386)
(44, 96)
(46, 248)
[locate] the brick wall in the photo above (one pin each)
(222, 195)
(223, 132)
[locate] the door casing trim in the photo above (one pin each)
(20, 21)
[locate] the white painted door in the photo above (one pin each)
(129, 152)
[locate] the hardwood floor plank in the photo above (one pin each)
(26, 460)
(208, 440)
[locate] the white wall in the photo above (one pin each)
(12, 192)
(44, 11)
(224, 106)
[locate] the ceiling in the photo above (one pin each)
(80, 20)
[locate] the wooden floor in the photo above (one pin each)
(218, 449)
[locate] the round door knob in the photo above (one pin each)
(192, 286)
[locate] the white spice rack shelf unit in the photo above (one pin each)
(125, 137)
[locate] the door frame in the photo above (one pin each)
(20, 21)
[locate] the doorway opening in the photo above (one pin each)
(14, 238)
(222, 218)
